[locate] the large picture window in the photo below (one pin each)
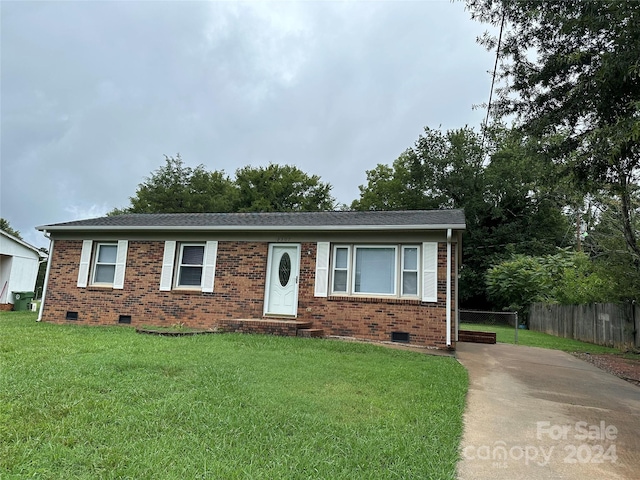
(376, 270)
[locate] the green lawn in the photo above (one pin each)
(105, 402)
(529, 338)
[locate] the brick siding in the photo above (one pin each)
(238, 294)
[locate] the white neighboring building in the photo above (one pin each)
(19, 263)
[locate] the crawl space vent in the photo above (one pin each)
(124, 319)
(402, 337)
(72, 316)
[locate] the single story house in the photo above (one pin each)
(19, 263)
(385, 276)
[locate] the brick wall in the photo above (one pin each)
(238, 294)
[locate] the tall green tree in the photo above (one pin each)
(607, 247)
(176, 188)
(442, 169)
(570, 70)
(281, 188)
(504, 189)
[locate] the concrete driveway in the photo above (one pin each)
(534, 413)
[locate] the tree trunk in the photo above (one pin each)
(627, 224)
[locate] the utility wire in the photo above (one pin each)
(493, 80)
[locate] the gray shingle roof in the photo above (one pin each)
(407, 219)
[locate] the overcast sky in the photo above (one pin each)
(95, 93)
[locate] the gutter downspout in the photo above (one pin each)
(457, 252)
(448, 308)
(46, 275)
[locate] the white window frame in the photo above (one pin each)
(89, 261)
(399, 270)
(97, 264)
(395, 269)
(348, 269)
(404, 270)
(179, 265)
(172, 262)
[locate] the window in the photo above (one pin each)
(409, 271)
(379, 270)
(103, 264)
(188, 265)
(104, 270)
(340, 269)
(375, 269)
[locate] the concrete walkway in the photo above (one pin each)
(534, 413)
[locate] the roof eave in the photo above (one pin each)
(24, 244)
(247, 228)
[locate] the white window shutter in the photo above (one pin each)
(121, 263)
(85, 260)
(209, 270)
(430, 272)
(167, 265)
(322, 269)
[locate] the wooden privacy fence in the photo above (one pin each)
(608, 324)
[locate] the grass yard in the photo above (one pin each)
(105, 402)
(529, 338)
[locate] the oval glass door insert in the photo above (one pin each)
(284, 270)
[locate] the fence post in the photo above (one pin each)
(636, 336)
(516, 328)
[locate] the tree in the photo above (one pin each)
(509, 203)
(583, 282)
(443, 169)
(606, 245)
(6, 227)
(281, 188)
(571, 70)
(176, 188)
(565, 277)
(516, 283)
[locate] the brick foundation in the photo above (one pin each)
(238, 294)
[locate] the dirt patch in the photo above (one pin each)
(626, 368)
(173, 333)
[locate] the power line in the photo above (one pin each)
(493, 80)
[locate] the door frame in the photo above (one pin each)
(267, 289)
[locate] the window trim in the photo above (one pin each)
(398, 270)
(95, 264)
(354, 275)
(403, 248)
(171, 263)
(88, 261)
(347, 269)
(179, 265)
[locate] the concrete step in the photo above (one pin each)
(310, 332)
(264, 326)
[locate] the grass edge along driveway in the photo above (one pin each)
(530, 338)
(88, 402)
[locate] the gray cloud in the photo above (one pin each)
(94, 93)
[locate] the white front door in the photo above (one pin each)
(281, 296)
